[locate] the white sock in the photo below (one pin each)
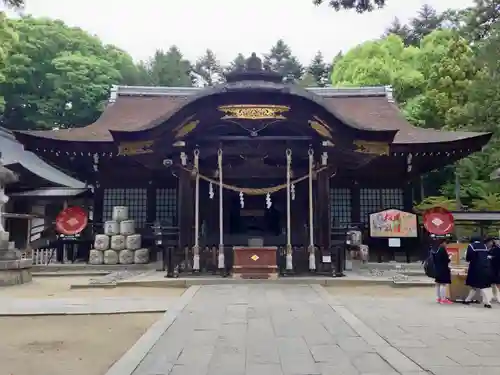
(486, 296)
(471, 295)
(494, 289)
(443, 291)
(438, 291)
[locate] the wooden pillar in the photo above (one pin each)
(324, 206)
(184, 208)
(98, 206)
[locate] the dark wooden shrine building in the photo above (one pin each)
(143, 152)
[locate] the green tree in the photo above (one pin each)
(16, 4)
(426, 21)
(319, 70)
(57, 76)
(8, 38)
(208, 70)
(401, 30)
(169, 69)
(281, 60)
(481, 19)
(237, 65)
(308, 80)
(361, 6)
(381, 62)
(447, 64)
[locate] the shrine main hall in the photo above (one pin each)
(251, 158)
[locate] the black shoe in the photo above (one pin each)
(487, 305)
(466, 302)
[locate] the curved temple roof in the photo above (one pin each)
(17, 159)
(133, 108)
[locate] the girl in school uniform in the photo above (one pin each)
(442, 272)
(494, 252)
(479, 274)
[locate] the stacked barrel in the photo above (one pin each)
(119, 244)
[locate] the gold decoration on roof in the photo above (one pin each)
(253, 112)
(321, 127)
(371, 147)
(135, 148)
(187, 128)
(186, 120)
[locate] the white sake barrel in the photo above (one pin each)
(101, 242)
(96, 257)
(111, 228)
(141, 256)
(117, 242)
(127, 227)
(120, 213)
(133, 242)
(110, 257)
(126, 257)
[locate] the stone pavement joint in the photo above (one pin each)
(267, 330)
(135, 355)
(393, 356)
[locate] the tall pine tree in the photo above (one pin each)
(237, 65)
(281, 60)
(207, 70)
(320, 70)
(169, 69)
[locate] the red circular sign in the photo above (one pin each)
(71, 221)
(439, 221)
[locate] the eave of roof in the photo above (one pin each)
(14, 155)
(133, 107)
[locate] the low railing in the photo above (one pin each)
(43, 256)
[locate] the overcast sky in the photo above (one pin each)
(227, 26)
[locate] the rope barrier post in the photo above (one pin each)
(221, 215)
(289, 258)
(196, 247)
(312, 255)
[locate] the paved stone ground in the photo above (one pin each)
(445, 340)
(270, 330)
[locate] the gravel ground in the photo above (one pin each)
(62, 345)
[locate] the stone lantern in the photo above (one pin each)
(13, 270)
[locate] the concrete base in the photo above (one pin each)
(15, 272)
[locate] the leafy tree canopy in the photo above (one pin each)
(360, 6)
(59, 76)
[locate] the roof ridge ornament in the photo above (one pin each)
(389, 94)
(254, 71)
(113, 94)
(253, 63)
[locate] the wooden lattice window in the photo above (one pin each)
(134, 199)
(374, 200)
(166, 206)
(392, 198)
(340, 203)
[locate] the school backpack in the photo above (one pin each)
(429, 267)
